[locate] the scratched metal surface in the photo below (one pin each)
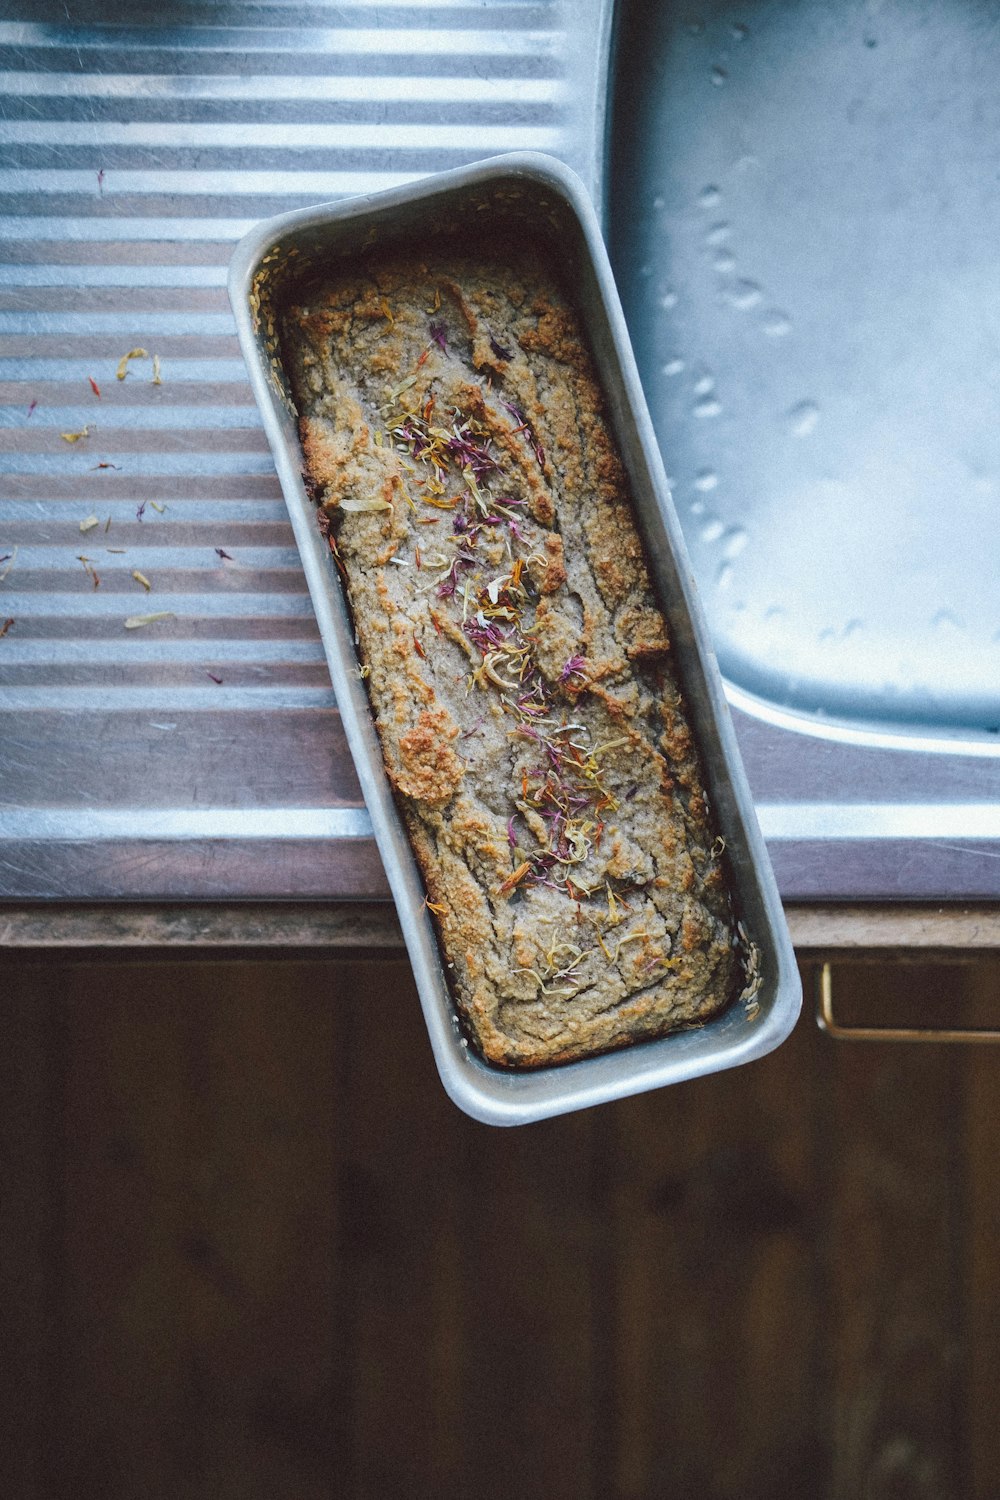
(199, 755)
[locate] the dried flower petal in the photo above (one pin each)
(514, 878)
(135, 622)
(94, 387)
(122, 370)
(89, 569)
(89, 523)
(575, 667)
(141, 578)
(74, 437)
(6, 626)
(365, 503)
(157, 378)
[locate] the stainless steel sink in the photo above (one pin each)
(804, 210)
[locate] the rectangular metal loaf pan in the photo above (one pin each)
(538, 197)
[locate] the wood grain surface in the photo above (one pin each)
(825, 928)
(251, 1252)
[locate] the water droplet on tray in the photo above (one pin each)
(724, 576)
(672, 367)
(668, 300)
(659, 202)
(708, 407)
(718, 233)
(733, 542)
(712, 529)
(706, 480)
(719, 76)
(724, 261)
(776, 324)
(709, 197)
(704, 385)
(740, 31)
(745, 295)
(947, 620)
(802, 418)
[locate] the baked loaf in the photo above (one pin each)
(518, 667)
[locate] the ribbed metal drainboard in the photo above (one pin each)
(198, 755)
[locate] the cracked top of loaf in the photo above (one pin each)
(518, 667)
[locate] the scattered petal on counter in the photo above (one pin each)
(158, 507)
(32, 405)
(213, 676)
(105, 466)
(94, 387)
(89, 523)
(122, 370)
(9, 558)
(6, 626)
(74, 437)
(157, 378)
(135, 622)
(222, 553)
(89, 569)
(141, 578)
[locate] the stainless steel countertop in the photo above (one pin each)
(134, 155)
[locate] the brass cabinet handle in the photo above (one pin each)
(826, 1021)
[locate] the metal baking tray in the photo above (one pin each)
(536, 196)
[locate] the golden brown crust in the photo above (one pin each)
(428, 769)
(519, 669)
